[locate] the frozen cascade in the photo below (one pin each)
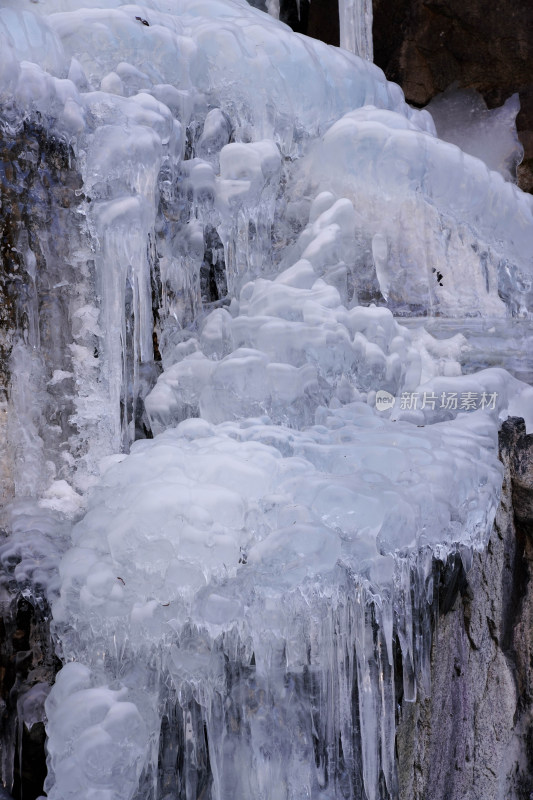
(355, 20)
(238, 600)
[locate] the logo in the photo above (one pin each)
(384, 400)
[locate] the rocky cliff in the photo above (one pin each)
(472, 738)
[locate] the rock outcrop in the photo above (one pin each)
(471, 738)
(28, 666)
(40, 194)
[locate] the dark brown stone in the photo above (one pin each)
(323, 21)
(319, 18)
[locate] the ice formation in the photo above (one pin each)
(256, 210)
(461, 116)
(355, 22)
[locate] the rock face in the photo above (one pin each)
(471, 739)
(317, 19)
(28, 665)
(40, 192)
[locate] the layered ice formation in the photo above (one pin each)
(256, 467)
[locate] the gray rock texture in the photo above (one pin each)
(40, 229)
(40, 193)
(471, 738)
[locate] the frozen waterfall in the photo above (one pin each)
(232, 460)
(355, 22)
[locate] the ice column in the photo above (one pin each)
(355, 19)
(273, 8)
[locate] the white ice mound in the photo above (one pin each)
(426, 209)
(247, 532)
(94, 732)
(219, 49)
(180, 515)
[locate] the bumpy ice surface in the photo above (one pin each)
(232, 593)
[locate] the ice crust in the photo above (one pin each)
(462, 117)
(234, 588)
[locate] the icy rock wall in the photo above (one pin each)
(29, 665)
(41, 278)
(471, 736)
(29, 556)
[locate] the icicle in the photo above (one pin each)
(404, 622)
(273, 8)
(356, 27)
